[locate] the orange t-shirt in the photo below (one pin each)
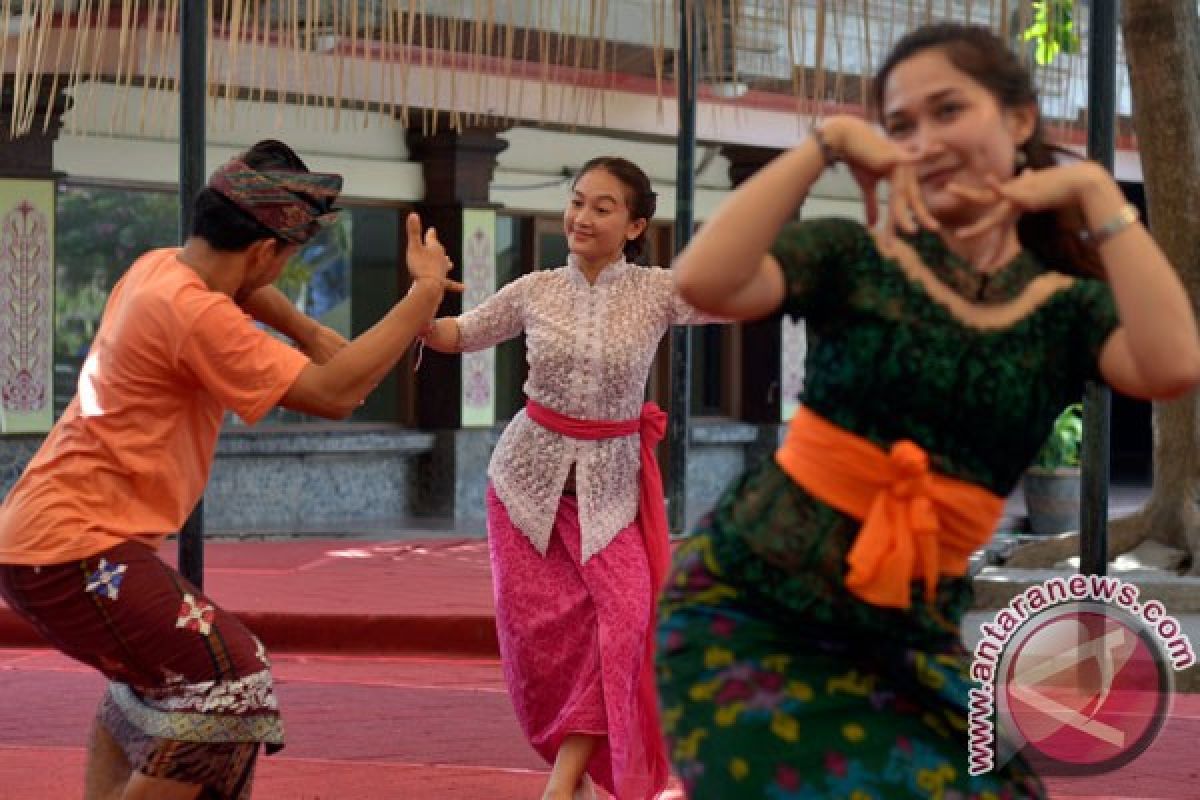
(131, 455)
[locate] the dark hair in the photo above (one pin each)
(977, 52)
(640, 198)
(221, 223)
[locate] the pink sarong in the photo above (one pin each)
(650, 425)
(572, 637)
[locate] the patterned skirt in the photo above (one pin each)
(777, 683)
(191, 696)
(571, 642)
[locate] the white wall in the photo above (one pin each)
(370, 152)
(536, 159)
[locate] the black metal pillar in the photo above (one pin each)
(193, 23)
(681, 337)
(1097, 406)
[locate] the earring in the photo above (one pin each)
(1020, 160)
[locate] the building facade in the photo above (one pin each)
(484, 149)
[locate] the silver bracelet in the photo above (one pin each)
(828, 154)
(1118, 222)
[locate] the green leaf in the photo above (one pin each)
(1063, 445)
(1052, 30)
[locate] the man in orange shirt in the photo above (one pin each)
(191, 695)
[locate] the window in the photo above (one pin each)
(346, 277)
(99, 233)
(513, 242)
(713, 371)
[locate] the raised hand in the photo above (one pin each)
(872, 160)
(1031, 191)
(426, 257)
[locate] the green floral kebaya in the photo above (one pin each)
(776, 682)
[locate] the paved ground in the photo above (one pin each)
(384, 653)
(405, 728)
(346, 596)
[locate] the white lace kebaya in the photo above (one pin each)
(589, 349)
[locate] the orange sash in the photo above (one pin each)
(915, 523)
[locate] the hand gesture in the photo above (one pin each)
(322, 344)
(425, 256)
(873, 159)
(1031, 191)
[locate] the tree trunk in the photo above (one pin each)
(1162, 47)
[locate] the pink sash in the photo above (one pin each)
(652, 519)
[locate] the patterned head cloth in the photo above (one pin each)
(292, 204)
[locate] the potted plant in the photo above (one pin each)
(1051, 484)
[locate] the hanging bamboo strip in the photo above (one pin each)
(457, 63)
(153, 47)
(819, 59)
(361, 57)
(571, 95)
(45, 13)
(383, 66)
(658, 25)
(491, 39)
(523, 64)
(410, 27)
(165, 82)
(433, 99)
(480, 31)
(839, 33)
(123, 48)
(341, 28)
(792, 22)
(711, 19)
(23, 66)
(398, 24)
(52, 105)
(237, 88)
(543, 55)
(284, 39)
(257, 68)
(453, 55)
(387, 74)
(233, 37)
(424, 49)
(599, 94)
(864, 85)
(802, 61)
(437, 60)
(97, 30)
(450, 52)
(6, 20)
(317, 54)
(212, 72)
(154, 91)
(302, 46)
(526, 42)
(593, 37)
(19, 96)
(568, 27)
(553, 52)
(345, 70)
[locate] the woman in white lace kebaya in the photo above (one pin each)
(576, 555)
